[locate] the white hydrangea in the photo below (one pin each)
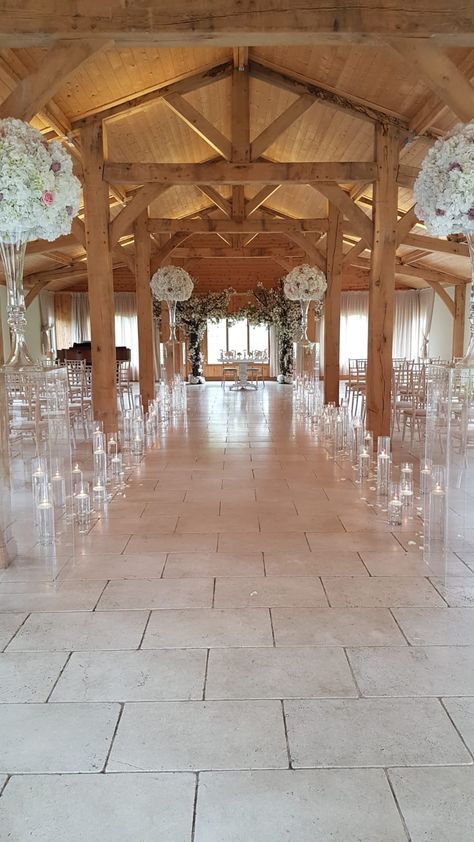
(305, 283)
(171, 283)
(444, 189)
(39, 195)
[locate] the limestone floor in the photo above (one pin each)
(242, 651)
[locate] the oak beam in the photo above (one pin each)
(436, 244)
(280, 125)
(432, 109)
(164, 252)
(314, 255)
(100, 277)
(361, 222)
(223, 172)
(199, 124)
(382, 283)
(223, 204)
(188, 83)
(260, 198)
(144, 310)
(234, 226)
(440, 73)
(332, 307)
(123, 222)
(35, 90)
(459, 320)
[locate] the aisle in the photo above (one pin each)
(245, 620)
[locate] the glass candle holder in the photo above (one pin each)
(45, 516)
(112, 445)
(100, 466)
(364, 464)
(58, 485)
(99, 493)
(406, 474)
(425, 477)
(82, 504)
(383, 444)
(76, 475)
(98, 440)
(369, 442)
(116, 467)
(384, 463)
(394, 508)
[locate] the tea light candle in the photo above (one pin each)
(364, 464)
(98, 440)
(76, 474)
(58, 486)
(383, 472)
(395, 510)
(406, 473)
(425, 477)
(82, 504)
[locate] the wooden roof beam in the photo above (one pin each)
(280, 125)
(188, 83)
(361, 222)
(223, 204)
(199, 124)
(440, 74)
(264, 22)
(232, 226)
(326, 96)
(142, 199)
(432, 109)
(223, 172)
(260, 198)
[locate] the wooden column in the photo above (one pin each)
(240, 141)
(100, 276)
(459, 319)
(382, 282)
(332, 308)
(144, 309)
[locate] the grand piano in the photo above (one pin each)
(82, 351)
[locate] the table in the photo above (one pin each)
(242, 363)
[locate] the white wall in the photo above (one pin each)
(33, 330)
(441, 335)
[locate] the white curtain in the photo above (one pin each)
(126, 330)
(274, 360)
(48, 333)
(411, 327)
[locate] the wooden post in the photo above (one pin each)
(382, 282)
(459, 319)
(144, 309)
(100, 277)
(332, 309)
(240, 140)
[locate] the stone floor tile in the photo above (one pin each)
(81, 631)
(156, 593)
(268, 592)
(248, 542)
(171, 543)
(116, 567)
(372, 732)
(192, 565)
(110, 543)
(313, 564)
(457, 591)
(27, 677)
(153, 675)
(381, 591)
(55, 737)
(352, 542)
(437, 626)
(185, 736)
(331, 805)
(461, 712)
(414, 670)
(222, 524)
(208, 627)
(335, 627)
(407, 564)
(109, 808)
(289, 672)
(436, 803)
(57, 596)
(9, 625)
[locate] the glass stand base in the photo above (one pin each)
(174, 360)
(304, 359)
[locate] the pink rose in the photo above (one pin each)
(440, 212)
(69, 210)
(55, 166)
(470, 213)
(47, 198)
(455, 166)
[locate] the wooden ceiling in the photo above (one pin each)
(332, 86)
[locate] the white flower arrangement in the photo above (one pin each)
(444, 189)
(171, 283)
(305, 283)
(39, 195)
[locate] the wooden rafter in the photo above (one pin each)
(223, 204)
(361, 222)
(199, 124)
(260, 198)
(167, 249)
(266, 22)
(314, 255)
(35, 90)
(432, 110)
(280, 125)
(223, 172)
(318, 93)
(142, 199)
(440, 73)
(186, 84)
(234, 226)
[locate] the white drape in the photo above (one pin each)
(48, 333)
(126, 330)
(274, 358)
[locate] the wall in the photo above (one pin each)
(33, 330)
(441, 336)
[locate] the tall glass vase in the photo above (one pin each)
(304, 304)
(468, 360)
(172, 313)
(304, 350)
(13, 257)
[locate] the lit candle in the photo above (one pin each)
(364, 464)
(383, 472)
(395, 510)
(425, 477)
(437, 512)
(59, 489)
(45, 514)
(82, 504)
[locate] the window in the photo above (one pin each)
(238, 336)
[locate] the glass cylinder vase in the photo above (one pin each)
(304, 350)
(12, 253)
(172, 315)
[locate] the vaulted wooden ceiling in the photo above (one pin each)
(307, 102)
